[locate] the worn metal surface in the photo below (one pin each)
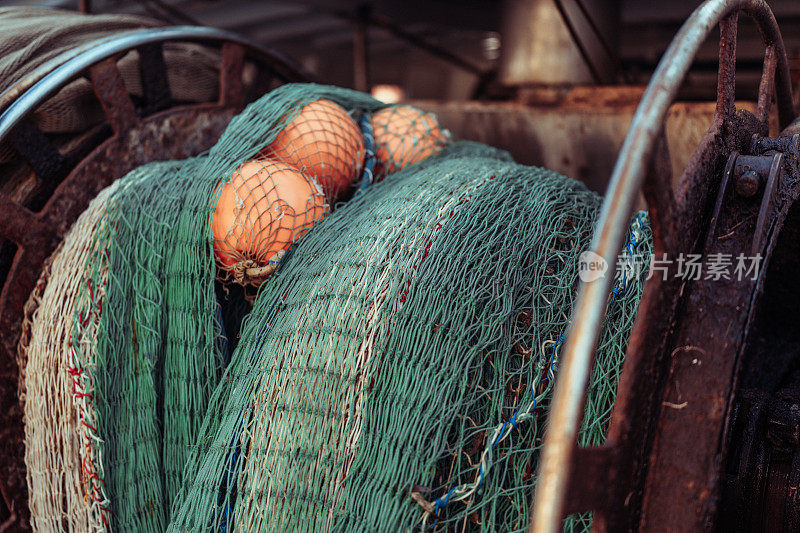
(579, 135)
(35, 148)
(769, 203)
(763, 467)
(231, 86)
(761, 475)
(109, 87)
(682, 484)
(748, 183)
(708, 336)
(692, 197)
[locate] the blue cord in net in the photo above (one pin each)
(368, 175)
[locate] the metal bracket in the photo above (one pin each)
(750, 174)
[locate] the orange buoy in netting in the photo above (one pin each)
(404, 136)
(324, 142)
(264, 207)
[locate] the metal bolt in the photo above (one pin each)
(748, 183)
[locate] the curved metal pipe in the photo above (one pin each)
(626, 182)
(20, 86)
(42, 84)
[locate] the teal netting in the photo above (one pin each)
(394, 372)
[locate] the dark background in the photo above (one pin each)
(319, 34)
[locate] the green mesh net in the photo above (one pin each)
(396, 368)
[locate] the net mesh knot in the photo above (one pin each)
(250, 272)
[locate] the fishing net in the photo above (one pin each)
(396, 367)
(157, 359)
(394, 372)
(62, 493)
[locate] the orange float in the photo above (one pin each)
(404, 136)
(324, 142)
(263, 208)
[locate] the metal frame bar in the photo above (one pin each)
(626, 182)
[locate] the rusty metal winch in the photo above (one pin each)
(704, 433)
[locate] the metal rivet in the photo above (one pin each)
(748, 183)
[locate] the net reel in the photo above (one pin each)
(135, 132)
